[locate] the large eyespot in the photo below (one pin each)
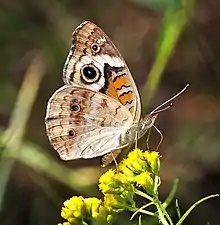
(90, 73)
(95, 48)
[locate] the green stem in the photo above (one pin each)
(139, 220)
(156, 182)
(142, 194)
(161, 210)
(145, 212)
(178, 209)
(193, 206)
(162, 213)
(171, 194)
(141, 210)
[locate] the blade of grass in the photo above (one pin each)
(174, 22)
(12, 137)
(33, 156)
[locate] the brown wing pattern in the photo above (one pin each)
(95, 63)
(84, 124)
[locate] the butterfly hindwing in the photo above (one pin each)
(82, 123)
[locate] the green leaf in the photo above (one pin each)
(173, 24)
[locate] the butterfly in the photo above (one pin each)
(98, 110)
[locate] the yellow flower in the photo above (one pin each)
(135, 161)
(107, 177)
(145, 180)
(139, 169)
(92, 206)
(124, 176)
(105, 181)
(65, 223)
(113, 182)
(153, 159)
(74, 209)
(118, 191)
(109, 201)
(136, 153)
(126, 171)
(114, 203)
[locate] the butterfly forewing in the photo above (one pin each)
(95, 63)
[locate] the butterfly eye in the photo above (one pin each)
(72, 133)
(95, 48)
(90, 74)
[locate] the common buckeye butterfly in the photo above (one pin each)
(97, 111)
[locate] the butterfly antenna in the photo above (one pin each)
(163, 109)
(158, 108)
(161, 137)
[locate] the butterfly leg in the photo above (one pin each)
(136, 139)
(114, 158)
(161, 137)
(148, 138)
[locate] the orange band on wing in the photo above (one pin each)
(111, 90)
(120, 81)
(126, 98)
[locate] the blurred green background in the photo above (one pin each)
(166, 43)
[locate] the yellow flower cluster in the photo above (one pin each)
(137, 170)
(118, 186)
(77, 210)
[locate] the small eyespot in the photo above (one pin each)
(90, 73)
(72, 133)
(95, 48)
(75, 100)
(75, 108)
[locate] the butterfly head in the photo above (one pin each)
(146, 124)
(137, 130)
